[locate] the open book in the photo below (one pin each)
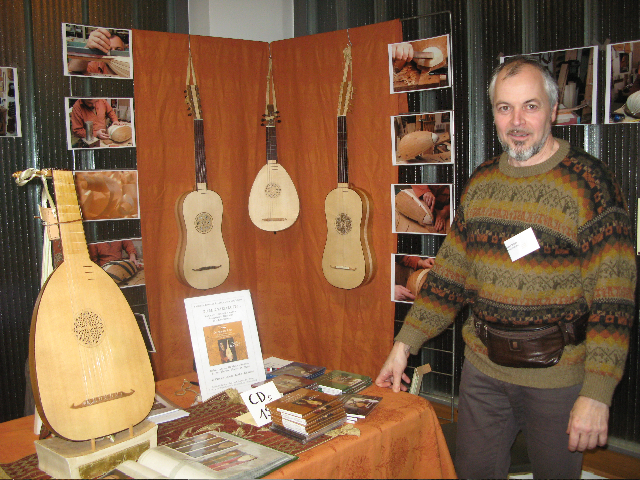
(209, 455)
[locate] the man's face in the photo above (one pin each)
(88, 102)
(116, 43)
(522, 113)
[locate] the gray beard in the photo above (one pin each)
(523, 155)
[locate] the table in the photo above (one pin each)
(401, 438)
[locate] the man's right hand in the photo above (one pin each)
(99, 39)
(392, 372)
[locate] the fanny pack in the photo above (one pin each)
(537, 346)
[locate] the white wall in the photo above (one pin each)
(262, 20)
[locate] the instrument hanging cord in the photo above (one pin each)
(346, 88)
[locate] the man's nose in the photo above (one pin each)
(517, 117)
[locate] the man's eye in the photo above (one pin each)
(503, 108)
(532, 107)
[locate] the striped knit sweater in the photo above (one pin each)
(586, 262)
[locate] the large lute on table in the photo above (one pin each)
(273, 202)
(348, 260)
(90, 369)
(201, 259)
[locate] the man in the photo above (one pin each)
(577, 258)
(96, 110)
(100, 39)
(106, 252)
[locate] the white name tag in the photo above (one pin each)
(522, 244)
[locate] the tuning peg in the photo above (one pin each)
(279, 120)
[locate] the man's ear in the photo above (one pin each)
(554, 113)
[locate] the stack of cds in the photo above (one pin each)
(288, 383)
(338, 382)
(299, 369)
(306, 414)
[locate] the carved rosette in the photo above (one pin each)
(272, 190)
(343, 224)
(88, 327)
(204, 222)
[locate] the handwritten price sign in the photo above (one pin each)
(257, 399)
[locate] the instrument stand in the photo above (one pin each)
(62, 458)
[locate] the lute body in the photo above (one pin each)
(90, 370)
(201, 259)
(348, 260)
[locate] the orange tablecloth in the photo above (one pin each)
(400, 439)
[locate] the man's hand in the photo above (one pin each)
(392, 372)
(401, 53)
(403, 293)
(99, 39)
(588, 424)
(102, 134)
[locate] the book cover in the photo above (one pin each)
(286, 383)
(300, 369)
(358, 405)
(303, 402)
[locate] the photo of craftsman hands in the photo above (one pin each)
(420, 65)
(100, 122)
(409, 274)
(97, 51)
(424, 209)
(425, 138)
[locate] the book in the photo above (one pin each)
(339, 382)
(359, 406)
(326, 419)
(225, 341)
(163, 410)
(299, 437)
(333, 412)
(299, 369)
(303, 403)
(286, 383)
(208, 455)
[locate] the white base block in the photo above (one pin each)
(66, 459)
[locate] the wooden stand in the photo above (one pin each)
(89, 459)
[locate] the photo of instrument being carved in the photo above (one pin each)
(273, 202)
(348, 260)
(89, 367)
(201, 259)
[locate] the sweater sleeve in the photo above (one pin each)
(442, 295)
(609, 281)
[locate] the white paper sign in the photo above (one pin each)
(522, 244)
(256, 401)
(225, 342)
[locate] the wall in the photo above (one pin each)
(263, 20)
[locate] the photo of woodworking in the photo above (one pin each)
(425, 138)
(420, 65)
(409, 274)
(623, 83)
(574, 70)
(9, 103)
(100, 122)
(423, 209)
(121, 259)
(97, 51)
(108, 194)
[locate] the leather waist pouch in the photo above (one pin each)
(539, 346)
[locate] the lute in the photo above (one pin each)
(273, 202)
(90, 370)
(348, 260)
(201, 259)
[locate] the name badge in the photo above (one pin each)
(522, 244)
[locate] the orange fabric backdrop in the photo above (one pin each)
(300, 315)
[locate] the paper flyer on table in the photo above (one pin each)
(225, 342)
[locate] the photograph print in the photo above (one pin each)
(408, 274)
(424, 138)
(9, 103)
(99, 123)
(107, 194)
(423, 209)
(575, 70)
(97, 51)
(420, 65)
(622, 96)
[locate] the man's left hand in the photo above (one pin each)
(588, 424)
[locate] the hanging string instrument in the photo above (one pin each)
(273, 202)
(201, 259)
(348, 260)
(89, 366)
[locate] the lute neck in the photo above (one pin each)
(343, 160)
(74, 243)
(272, 146)
(201, 161)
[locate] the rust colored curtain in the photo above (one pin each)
(300, 315)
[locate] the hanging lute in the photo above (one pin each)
(90, 369)
(348, 260)
(201, 259)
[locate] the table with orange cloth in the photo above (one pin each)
(401, 438)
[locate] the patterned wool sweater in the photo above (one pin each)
(586, 262)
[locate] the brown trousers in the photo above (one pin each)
(490, 415)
